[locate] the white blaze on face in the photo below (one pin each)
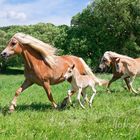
(107, 57)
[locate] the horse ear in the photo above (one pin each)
(117, 59)
(73, 66)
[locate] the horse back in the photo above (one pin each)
(70, 59)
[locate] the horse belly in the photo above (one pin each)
(56, 81)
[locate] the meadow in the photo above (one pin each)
(113, 116)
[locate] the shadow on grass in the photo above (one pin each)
(34, 107)
(39, 107)
(27, 107)
(12, 71)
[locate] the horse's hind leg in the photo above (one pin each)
(48, 91)
(70, 93)
(93, 95)
(25, 85)
(78, 97)
(131, 82)
(84, 94)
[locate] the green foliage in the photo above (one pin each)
(103, 25)
(109, 25)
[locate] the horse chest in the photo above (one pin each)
(34, 76)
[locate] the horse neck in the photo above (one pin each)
(113, 63)
(127, 61)
(76, 75)
(31, 57)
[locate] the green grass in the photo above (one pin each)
(114, 116)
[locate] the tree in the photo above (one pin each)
(109, 25)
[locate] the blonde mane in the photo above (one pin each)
(114, 54)
(46, 50)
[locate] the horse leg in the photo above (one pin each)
(114, 78)
(78, 97)
(131, 82)
(25, 85)
(127, 83)
(48, 91)
(85, 98)
(70, 93)
(67, 98)
(93, 95)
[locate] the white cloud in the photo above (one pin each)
(16, 15)
(57, 12)
(57, 20)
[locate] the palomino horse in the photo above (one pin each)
(107, 61)
(42, 65)
(132, 69)
(80, 83)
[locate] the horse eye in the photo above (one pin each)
(104, 60)
(70, 71)
(13, 43)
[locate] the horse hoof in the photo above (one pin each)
(90, 105)
(11, 108)
(11, 111)
(55, 106)
(108, 91)
(82, 106)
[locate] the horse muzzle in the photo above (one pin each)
(99, 69)
(4, 55)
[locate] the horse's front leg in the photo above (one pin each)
(67, 98)
(48, 91)
(127, 81)
(25, 85)
(114, 78)
(70, 93)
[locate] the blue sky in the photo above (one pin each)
(25, 12)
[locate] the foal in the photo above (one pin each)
(80, 83)
(132, 69)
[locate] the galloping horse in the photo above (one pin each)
(107, 61)
(42, 65)
(132, 69)
(80, 83)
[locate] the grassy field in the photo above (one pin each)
(114, 116)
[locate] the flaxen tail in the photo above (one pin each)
(98, 81)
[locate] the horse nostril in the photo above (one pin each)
(3, 54)
(99, 69)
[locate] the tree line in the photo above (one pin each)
(104, 25)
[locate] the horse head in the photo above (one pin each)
(105, 62)
(13, 47)
(69, 72)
